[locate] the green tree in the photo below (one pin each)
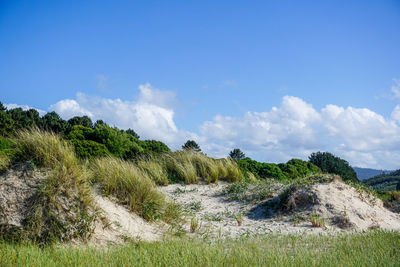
(237, 154)
(398, 186)
(53, 122)
(2, 107)
(154, 146)
(191, 145)
(133, 133)
(329, 163)
(83, 120)
(6, 124)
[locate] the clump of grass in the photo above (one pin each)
(239, 219)
(194, 224)
(130, 184)
(155, 169)
(316, 221)
(4, 162)
(194, 206)
(190, 167)
(66, 185)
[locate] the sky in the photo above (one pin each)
(277, 79)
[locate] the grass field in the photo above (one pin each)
(365, 249)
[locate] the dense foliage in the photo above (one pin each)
(89, 140)
(294, 168)
(329, 163)
(385, 182)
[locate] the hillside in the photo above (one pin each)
(384, 182)
(365, 173)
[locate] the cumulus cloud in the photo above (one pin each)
(295, 129)
(150, 115)
(292, 129)
(24, 107)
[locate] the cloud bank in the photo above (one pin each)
(293, 129)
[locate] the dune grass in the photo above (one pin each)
(66, 185)
(363, 249)
(130, 184)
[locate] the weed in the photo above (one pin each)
(316, 221)
(194, 206)
(194, 224)
(239, 219)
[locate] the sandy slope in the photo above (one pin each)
(217, 213)
(118, 224)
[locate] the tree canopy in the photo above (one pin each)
(329, 163)
(191, 145)
(237, 154)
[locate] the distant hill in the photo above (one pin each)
(384, 182)
(365, 173)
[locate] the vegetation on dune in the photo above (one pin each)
(88, 139)
(294, 168)
(67, 183)
(363, 249)
(130, 184)
(329, 163)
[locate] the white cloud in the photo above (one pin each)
(292, 129)
(286, 130)
(295, 129)
(24, 107)
(151, 115)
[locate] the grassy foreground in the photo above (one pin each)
(364, 249)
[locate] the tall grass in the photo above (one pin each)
(188, 167)
(130, 184)
(65, 186)
(364, 249)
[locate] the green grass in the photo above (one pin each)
(66, 184)
(364, 249)
(130, 184)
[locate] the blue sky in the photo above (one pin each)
(214, 71)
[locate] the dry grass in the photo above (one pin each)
(65, 186)
(130, 184)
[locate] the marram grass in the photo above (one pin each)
(66, 184)
(363, 249)
(130, 184)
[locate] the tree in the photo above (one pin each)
(52, 122)
(398, 186)
(2, 107)
(329, 163)
(84, 121)
(133, 133)
(237, 154)
(191, 145)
